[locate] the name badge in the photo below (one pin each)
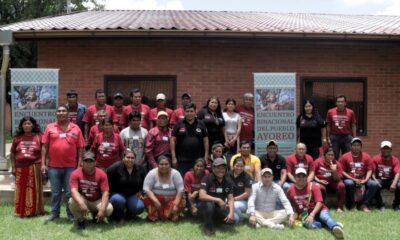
(23, 151)
(165, 186)
(247, 167)
(63, 135)
(301, 165)
(165, 139)
(328, 174)
(387, 169)
(106, 144)
(219, 190)
(357, 165)
(135, 137)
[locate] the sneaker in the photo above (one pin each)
(258, 225)
(338, 232)
(340, 224)
(209, 232)
(278, 227)
(81, 224)
(364, 208)
(51, 218)
(396, 207)
(71, 219)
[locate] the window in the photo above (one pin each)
(324, 90)
(149, 86)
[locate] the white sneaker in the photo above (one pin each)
(340, 224)
(278, 227)
(338, 232)
(258, 225)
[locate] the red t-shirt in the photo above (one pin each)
(340, 122)
(63, 146)
(26, 150)
(117, 112)
(192, 182)
(73, 114)
(91, 114)
(95, 130)
(292, 163)
(154, 111)
(247, 116)
(323, 171)
(107, 150)
(89, 186)
(177, 115)
(144, 111)
(299, 198)
(385, 170)
(356, 167)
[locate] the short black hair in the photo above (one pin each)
(99, 91)
(134, 114)
(133, 91)
(244, 142)
(189, 105)
(341, 96)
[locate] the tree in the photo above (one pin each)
(23, 53)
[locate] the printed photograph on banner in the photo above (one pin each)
(35, 97)
(275, 99)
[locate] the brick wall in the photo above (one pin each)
(224, 68)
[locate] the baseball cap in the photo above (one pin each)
(356, 139)
(88, 156)
(272, 142)
(186, 95)
(162, 113)
(218, 162)
(300, 171)
(160, 96)
(386, 144)
(118, 95)
(266, 170)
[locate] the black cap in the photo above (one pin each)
(118, 95)
(186, 95)
(72, 92)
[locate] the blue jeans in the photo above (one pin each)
(371, 188)
(210, 212)
(59, 180)
(240, 208)
(134, 205)
(340, 142)
(322, 218)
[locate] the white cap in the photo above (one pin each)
(266, 170)
(386, 144)
(300, 170)
(160, 96)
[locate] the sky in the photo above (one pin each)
(363, 7)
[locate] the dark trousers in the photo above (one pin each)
(313, 152)
(340, 143)
(183, 167)
(211, 213)
(386, 185)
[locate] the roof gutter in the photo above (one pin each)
(33, 34)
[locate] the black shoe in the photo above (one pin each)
(81, 224)
(209, 232)
(51, 218)
(396, 207)
(71, 219)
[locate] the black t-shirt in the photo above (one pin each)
(310, 130)
(240, 183)
(189, 140)
(215, 125)
(277, 165)
(122, 182)
(215, 188)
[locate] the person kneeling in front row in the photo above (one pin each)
(89, 192)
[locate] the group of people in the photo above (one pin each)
(118, 161)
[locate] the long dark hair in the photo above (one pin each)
(20, 131)
(315, 113)
(218, 110)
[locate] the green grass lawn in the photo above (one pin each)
(358, 225)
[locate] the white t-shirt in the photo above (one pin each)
(134, 140)
(231, 122)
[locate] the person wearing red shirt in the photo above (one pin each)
(306, 199)
(90, 118)
(118, 109)
(179, 113)
(89, 192)
(357, 171)
(192, 182)
(161, 105)
(98, 128)
(299, 159)
(158, 140)
(138, 106)
(387, 174)
(327, 172)
(62, 142)
(340, 126)
(107, 146)
(25, 157)
(246, 111)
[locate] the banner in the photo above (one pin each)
(275, 111)
(34, 93)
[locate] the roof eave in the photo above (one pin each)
(33, 34)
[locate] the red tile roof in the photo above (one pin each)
(213, 22)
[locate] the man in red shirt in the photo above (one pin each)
(118, 109)
(161, 105)
(76, 109)
(299, 159)
(62, 142)
(328, 174)
(89, 192)
(90, 118)
(306, 199)
(387, 174)
(158, 140)
(179, 113)
(246, 112)
(340, 126)
(137, 105)
(357, 171)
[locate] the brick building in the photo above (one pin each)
(216, 53)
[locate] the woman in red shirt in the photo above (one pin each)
(192, 181)
(26, 167)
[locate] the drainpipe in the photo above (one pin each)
(5, 41)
